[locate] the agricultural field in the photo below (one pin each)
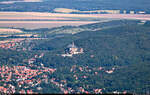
(9, 31)
(34, 20)
(15, 1)
(41, 24)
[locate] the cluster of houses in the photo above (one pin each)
(26, 78)
(16, 43)
(33, 59)
(60, 85)
(96, 71)
(23, 76)
(11, 44)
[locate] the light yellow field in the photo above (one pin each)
(29, 16)
(13, 1)
(59, 15)
(65, 10)
(36, 18)
(41, 24)
(9, 31)
(27, 35)
(41, 17)
(32, 0)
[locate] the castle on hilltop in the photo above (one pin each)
(71, 50)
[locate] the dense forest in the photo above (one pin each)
(115, 59)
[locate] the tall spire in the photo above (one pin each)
(73, 44)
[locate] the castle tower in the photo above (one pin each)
(81, 50)
(73, 44)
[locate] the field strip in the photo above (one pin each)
(9, 31)
(1, 22)
(37, 18)
(42, 14)
(14, 1)
(42, 17)
(41, 24)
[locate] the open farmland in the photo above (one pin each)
(9, 31)
(41, 24)
(59, 15)
(15, 1)
(34, 20)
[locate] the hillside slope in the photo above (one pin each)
(115, 60)
(125, 48)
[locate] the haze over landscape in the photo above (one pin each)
(75, 47)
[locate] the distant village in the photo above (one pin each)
(16, 43)
(29, 77)
(66, 10)
(120, 12)
(24, 77)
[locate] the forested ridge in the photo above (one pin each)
(115, 59)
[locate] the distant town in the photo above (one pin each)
(65, 10)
